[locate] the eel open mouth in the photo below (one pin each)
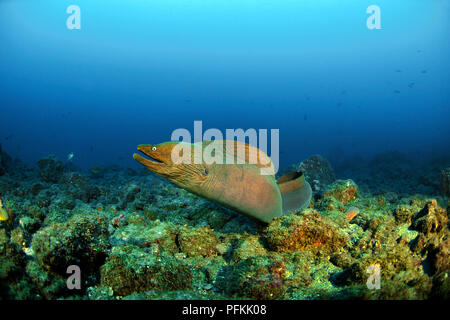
(154, 159)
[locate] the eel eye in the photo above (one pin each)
(153, 148)
(206, 172)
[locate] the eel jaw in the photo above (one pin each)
(155, 164)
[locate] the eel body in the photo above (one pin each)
(230, 173)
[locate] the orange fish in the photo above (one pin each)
(4, 216)
(351, 213)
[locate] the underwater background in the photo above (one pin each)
(374, 104)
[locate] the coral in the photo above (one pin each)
(441, 286)
(309, 231)
(12, 260)
(318, 172)
(82, 240)
(431, 219)
(262, 277)
(50, 169)
(130, 195)
(439, 255)
(343, 190)
(248, 247)
(131, 269)
(403, 214)
(159, 236)
(198, 241)
(137, 237)
(80, 187)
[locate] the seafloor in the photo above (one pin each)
(136, 236)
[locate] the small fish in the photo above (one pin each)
(4, 216)
(410, 85)
(351, 213)
(398, 71)
(96, 170)
(397, 91)
(70, 156)
(424, 71)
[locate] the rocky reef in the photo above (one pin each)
(135, 236)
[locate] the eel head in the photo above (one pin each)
(165, 161)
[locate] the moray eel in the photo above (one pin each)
(243, 180)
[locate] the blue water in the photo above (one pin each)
(137, 70)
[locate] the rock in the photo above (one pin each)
(249, 247)
(343, 190)
(318, 172)
(198, 242)
(50, 169)
(83, 240)
(439, 255)
(80, 187)
(12, 262)
(310, 232)
(262, 278)
(130, 195)
(431, 219)
(158, 236)
(403, 214)
(131, 269)
(445, 182)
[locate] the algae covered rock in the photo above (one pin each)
(50, 169)
(198, 241)
(159, 236)
(343, 190)
(248, 247)
(262, 277)
(12, 260)
(80, 187)
(82, 240)
(318, 172)
(431, 219)
(310, 231)
(131, 269)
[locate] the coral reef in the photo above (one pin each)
(50, 169)
(135, 236)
